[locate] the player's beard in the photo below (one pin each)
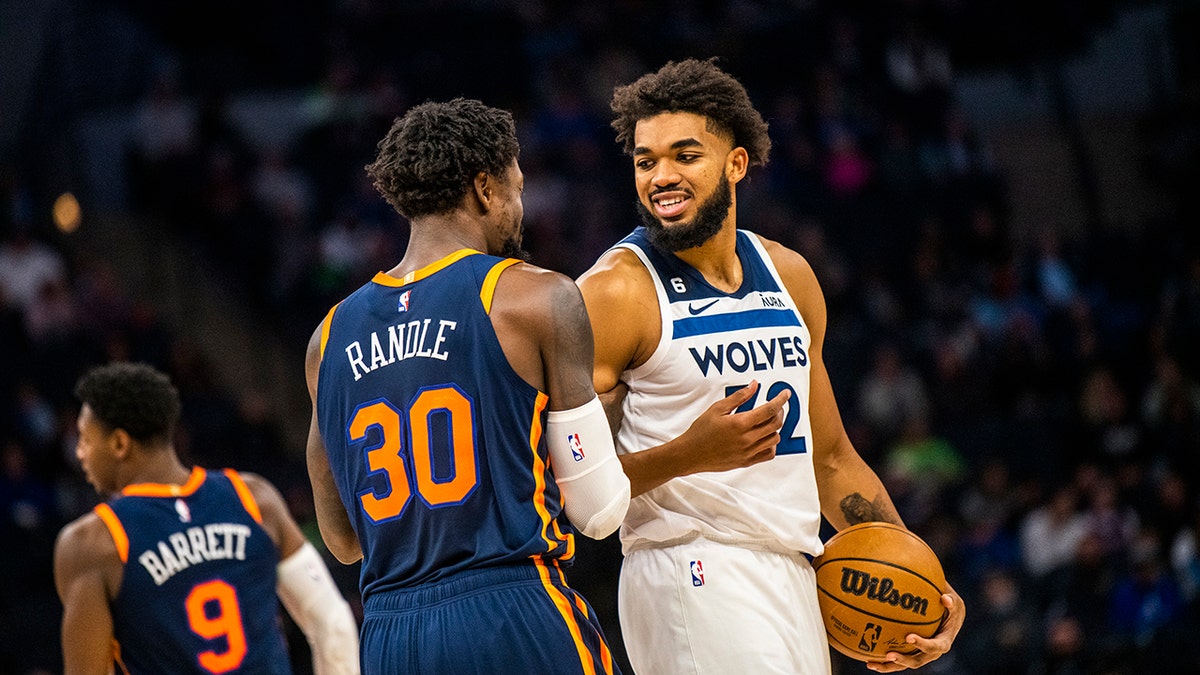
(512, 249)
(710, 216)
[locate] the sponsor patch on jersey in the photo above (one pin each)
(576, 446)
(697, 569)
(402, 305)
(185, 514)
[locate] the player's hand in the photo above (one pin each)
(931, 649)
(721, 439)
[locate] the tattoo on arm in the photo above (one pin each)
(857, 510)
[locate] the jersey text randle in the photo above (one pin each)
(404, 341)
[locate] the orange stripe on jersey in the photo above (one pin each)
(570, 539)
(115, 528)
(116, 646)
(245, 495)
(488, 290)
(325, 330)
(539, 470)
(605, 652)
(384, 279)
(563, 605)
(163, 490)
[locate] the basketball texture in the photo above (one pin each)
(876, 583)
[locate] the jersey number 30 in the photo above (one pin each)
(438, 425)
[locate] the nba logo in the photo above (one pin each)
(576, 447)
(697, 572)
(402, 306)
(185, 514)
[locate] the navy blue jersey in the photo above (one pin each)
(198, 589)
(435, 443)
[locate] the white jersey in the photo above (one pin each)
(712, 344)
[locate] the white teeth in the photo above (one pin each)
(670, 202)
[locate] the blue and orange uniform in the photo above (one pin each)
(436, 446)
(198, 588)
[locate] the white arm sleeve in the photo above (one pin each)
(595, 489)
(312, 599)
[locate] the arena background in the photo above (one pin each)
(1000, 200)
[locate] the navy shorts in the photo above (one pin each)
(515, 619)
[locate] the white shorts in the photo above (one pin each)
(707, 608)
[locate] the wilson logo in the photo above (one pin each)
(882, 589)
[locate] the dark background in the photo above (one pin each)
(999, 199)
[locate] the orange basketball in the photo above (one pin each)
(876, 583)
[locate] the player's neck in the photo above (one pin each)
(432, 239)
(160, 467)
(717, 259)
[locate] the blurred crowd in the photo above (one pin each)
(1032, 402)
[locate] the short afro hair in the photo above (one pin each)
(134, 397)
(432, 153)
(698, 87)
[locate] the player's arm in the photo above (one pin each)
(86, 574)
(623, 307)
(542, 324)
(850, 491)
(305, 587)
(332, 519)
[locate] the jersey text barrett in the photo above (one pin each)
(215, 541)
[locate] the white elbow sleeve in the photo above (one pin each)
(595, 490)
(314, 602)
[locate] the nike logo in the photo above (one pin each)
(693, 310)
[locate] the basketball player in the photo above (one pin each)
(455, 429)
(179, 571)
(709, 338)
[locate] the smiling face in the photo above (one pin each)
(684, 174)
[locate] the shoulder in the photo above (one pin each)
(264, 491)
(798, 276)
(531, 293)
(85, 543)
(789, 262)
(314, 351)
(617, 276)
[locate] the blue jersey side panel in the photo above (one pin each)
(200, 571)
(434, 442)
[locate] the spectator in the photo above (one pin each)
(1051, 533)
(27, 264)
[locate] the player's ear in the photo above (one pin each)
(736, 164)
(483, 185)
(121, 442)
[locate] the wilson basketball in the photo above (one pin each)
(876, 583)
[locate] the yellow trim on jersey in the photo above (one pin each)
(539, 471)
(245, 495)
(325, 330)
(116, 647)
(570, 539)
(563, 605)
(488, 290)
(163, 490)
(115, 528)
(385, 279)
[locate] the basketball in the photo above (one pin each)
(876, 583)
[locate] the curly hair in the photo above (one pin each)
(698, 87)
(432, 153)
(132, 396)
